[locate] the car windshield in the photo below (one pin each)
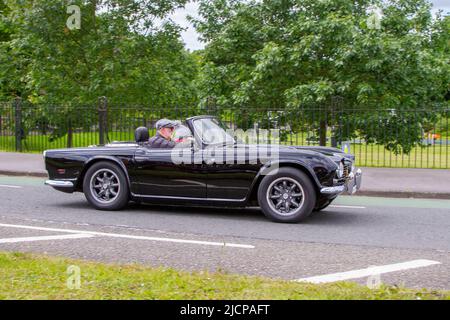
(211, 131)
(181, 133)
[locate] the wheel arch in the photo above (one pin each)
(253, 194)
(94, 160)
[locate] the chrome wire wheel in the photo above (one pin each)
(285, 196)
(105, 186)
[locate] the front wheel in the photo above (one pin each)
(287, 196)
(105, 186)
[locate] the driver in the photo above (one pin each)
(164, 131)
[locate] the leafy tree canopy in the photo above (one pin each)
(297, 54)
(126, 50)
(4, 34)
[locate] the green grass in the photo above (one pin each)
(435, 156)
(371, 155)
(26, 276)
(38, 143)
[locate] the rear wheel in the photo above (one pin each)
(105, 186)
(287, 196)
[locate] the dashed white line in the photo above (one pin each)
(46, 238)
(9, 186)
(126, 236)
(346, 207)
(376, 270)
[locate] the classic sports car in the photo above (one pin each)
(214, 169)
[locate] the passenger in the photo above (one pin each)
(183, 135)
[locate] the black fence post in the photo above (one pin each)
(69, 132)
(18, 123)
(323, 124)
(102, 119)
(211, 106)
(336, 103)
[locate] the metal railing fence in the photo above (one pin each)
(418, 138)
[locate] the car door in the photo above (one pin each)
(229, 169)
(157, 174)
(230, 172)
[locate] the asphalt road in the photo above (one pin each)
(408, 237)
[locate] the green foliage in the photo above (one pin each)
(298, 55)
(120, 52)
(4, 33)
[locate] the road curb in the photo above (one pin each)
(403, 194)
(23, 173)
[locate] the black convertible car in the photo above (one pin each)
(287, 182)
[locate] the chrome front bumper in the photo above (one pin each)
(352, 184)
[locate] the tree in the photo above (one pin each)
(441, 41)
(4, 34)
(303, 55)
(125, 50)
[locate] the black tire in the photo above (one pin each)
(323, 205)
(300, 183)
(114, 176)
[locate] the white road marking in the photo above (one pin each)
(46, 238)
(8, 186)
(376, 270)
(118, 235)
(347, 207)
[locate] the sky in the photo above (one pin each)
(190, 36)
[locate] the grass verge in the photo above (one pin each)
(27, 276)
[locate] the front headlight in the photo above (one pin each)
(340, 170)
